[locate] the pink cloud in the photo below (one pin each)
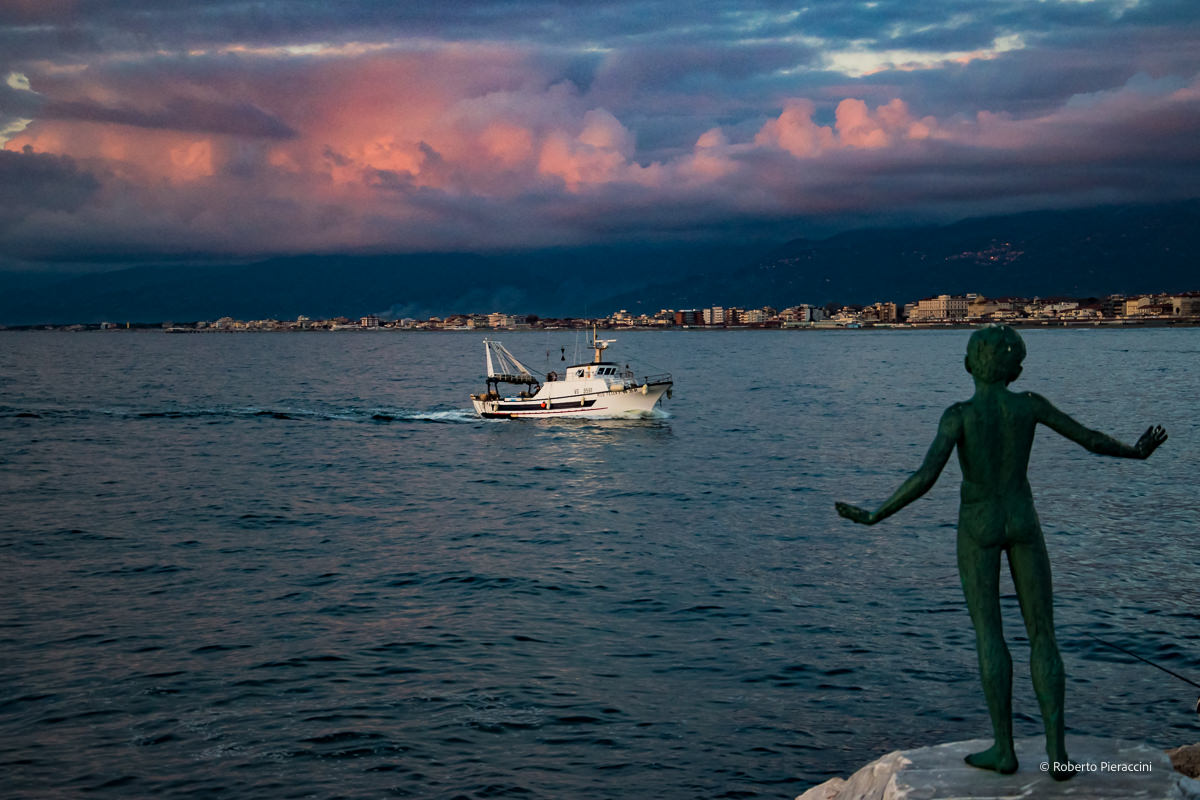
(856, 126)
(710, 161)
(600, 154)
(510, 145)
(449, 146)
(795, 131)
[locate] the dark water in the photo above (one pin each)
(297, 566)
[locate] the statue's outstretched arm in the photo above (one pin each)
(921, 481)
(1095, 441)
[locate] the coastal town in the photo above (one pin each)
(937, 311)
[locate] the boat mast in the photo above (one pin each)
(599, 345)
(487, 347)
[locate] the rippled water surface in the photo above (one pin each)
(298, 566)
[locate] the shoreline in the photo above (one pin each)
(1028, 324)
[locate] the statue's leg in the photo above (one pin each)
(1031, 577)
(979, 569)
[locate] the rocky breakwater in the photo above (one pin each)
(1107, 768)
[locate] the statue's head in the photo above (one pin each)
(995, 354)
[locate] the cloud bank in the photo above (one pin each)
(137, 127)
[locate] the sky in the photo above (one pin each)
(150, 129)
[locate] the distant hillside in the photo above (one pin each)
(1087, 252)
(546, 282)
(280, 288)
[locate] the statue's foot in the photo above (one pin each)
(1061, 768)
(1063, 774)
(1000, 759)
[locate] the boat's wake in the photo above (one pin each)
(289, 413)
(450, 416)
(218, 414)
(655, 413)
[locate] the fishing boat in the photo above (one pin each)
(598, 389)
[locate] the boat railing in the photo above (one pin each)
(662, 377)
(513, 378)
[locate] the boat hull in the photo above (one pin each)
(634, 402)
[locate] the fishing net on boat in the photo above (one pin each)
(503, 366)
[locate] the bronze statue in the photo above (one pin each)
(994, 433)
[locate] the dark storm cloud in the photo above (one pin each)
(32, 181)
(20, 43)
(744, 41)
(1036, 79)
(17, 102)
(670, 93)
(902, 24)
(671, 64)
(180, 114)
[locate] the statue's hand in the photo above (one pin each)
(1151, 439)
(854, 513)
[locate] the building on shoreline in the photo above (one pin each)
(943, 308)
(937, 311)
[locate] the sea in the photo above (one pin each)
(298, 565)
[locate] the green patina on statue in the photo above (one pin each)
(993, 432)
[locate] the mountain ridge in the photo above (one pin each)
(1078, 252)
